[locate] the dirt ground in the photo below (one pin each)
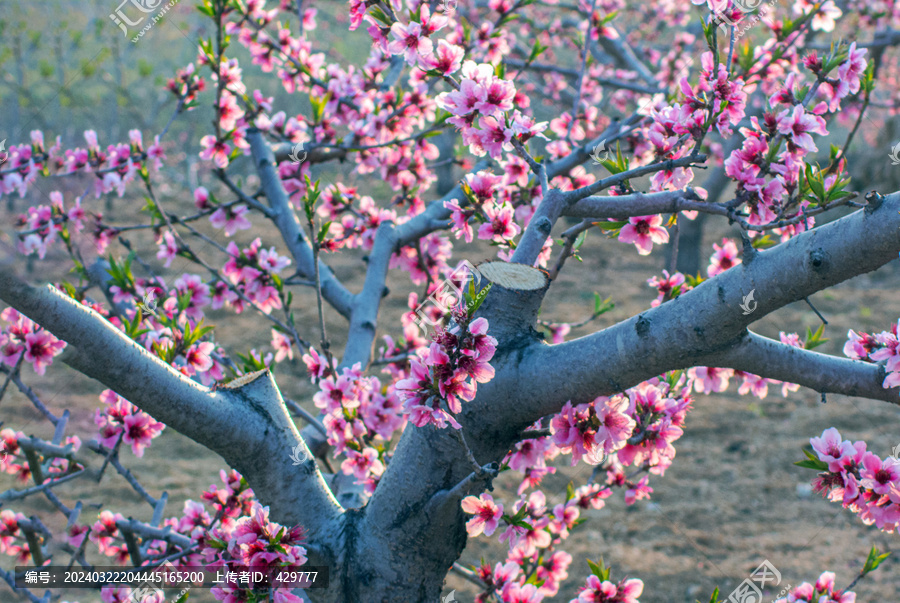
(731, 500)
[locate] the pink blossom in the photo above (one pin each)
(140, 429)
(724, 258)
(486, 513)
(501, 225)
(361, 464)
(231, 218)
(214, 150)
(447, 58)
(168, 248)
(797, 125)
(410, 41)
(638, 491)
(710, 379)
(40, 348)
(644, 231)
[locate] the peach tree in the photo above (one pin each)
(557, 121)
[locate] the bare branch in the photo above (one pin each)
(823, 373)
(642, 204)
(287, 223)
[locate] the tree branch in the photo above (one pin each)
(708, 318)
(245, 421)
(287, 223)
(823, 373)
(642, 204)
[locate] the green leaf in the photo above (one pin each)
(579, 241)
(323, 231)
(600, 570)
(812, 461)
(817, 465)
(476, 301)
(570, 491)
(715, 596)
(764, 242)
(814, 340)
(610, 225)
(602, 306)
(873, 561)
(693, 281)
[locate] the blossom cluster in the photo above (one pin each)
(14, 462)
(484, 97)
(23, 340)
(635, 428)
(237, 535)
(534, 567)
(879, 347)
(448, 372)
(360, 416)
(769, 173)
(823, 591)
(860, 480)
(12, 539)
(254, 541)
(121, 419)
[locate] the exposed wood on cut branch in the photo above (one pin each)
(511, 307)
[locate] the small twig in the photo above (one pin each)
(112, 452)
(14, 371)
(129, 477)
(460, 570)
(819, 314)
(307, 416)
(11, 495)
(584, 53)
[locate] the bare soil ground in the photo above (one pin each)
(731, 499)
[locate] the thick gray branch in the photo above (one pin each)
(709, 318)
(641, 204)
(766, 357)
(245, 421)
